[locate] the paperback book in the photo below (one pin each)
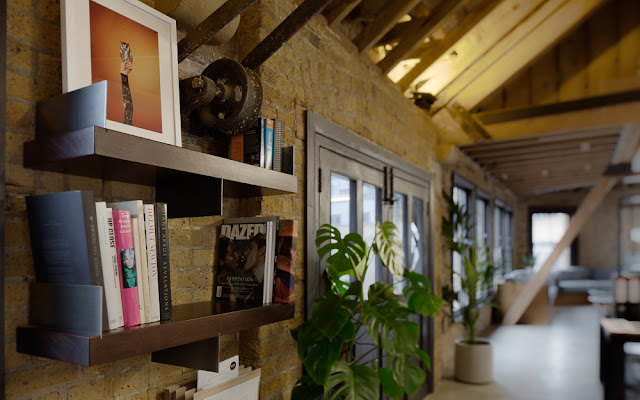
(285, 274)
(126, 261)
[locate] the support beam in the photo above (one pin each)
(283, 32)
(386, 18)
(610, 116)
(522, 52)
(202, 33)
(440, 47)
(586, 209)
(338, 10)
(468, 123)
(417, 34)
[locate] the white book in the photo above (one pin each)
(110, 271)
(268, 265)
(227, 370)
(152, 261)
(139, 275)
(245, 387)
(136, 208)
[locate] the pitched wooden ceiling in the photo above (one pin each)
(506, 68)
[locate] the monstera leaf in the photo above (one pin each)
(418, 293)
(347, 256)
(306, 388)
(388, 247)
(389, 385)
(389, 322)
(328, 315)
(353, 382)
(407, 374)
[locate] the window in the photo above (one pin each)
(548, 226)
(502, 237)
(352, 184)
(462, 196)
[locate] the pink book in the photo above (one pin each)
(127, 262)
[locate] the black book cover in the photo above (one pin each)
(164, 278)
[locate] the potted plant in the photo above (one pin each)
(326, 341)
(473, 355)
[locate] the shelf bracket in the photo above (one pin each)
(204, 355)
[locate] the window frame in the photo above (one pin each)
(575, 244)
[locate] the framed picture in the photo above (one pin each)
(134, 48)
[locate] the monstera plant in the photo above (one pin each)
(326, 341)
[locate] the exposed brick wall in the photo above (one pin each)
(316, 70)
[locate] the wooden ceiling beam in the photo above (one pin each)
(338, 10)
(539, 149)
(417, 34)
(608, 117)
(533, 140)
(521, 52)
(386, 18)
(400, 30)
(439, 47)
(509, 156)
(517, 160)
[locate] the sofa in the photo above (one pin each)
(576, 283)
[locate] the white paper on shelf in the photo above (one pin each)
(227, 370)
(244, 387)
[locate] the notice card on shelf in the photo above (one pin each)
(245, 387)
(227, 370)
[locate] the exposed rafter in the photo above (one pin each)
(419, 31)
(338, 10)
(386, 18)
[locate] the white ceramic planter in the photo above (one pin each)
(474, 362)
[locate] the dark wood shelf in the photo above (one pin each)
(190, 181)
(191, 323)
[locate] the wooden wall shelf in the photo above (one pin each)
(191, 323)
(190, 181)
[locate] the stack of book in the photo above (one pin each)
(121, 247)
(256, 260)
(232, 381)
(261, 145)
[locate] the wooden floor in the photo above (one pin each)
(558, 361)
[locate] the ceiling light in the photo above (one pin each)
(545, 172)
(585, 147)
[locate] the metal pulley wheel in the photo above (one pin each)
(237, 104)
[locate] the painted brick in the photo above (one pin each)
(16, 293)
(207, 221)
(128, 191)
(16, 233)
(163, 374)
(20, 57)
(18, 176)
(191, 278)
(20, 116)
(51, 181)
(202, 258)
(13, 359)
(50, 67)
(49, 375)
(180, 296)
(50, 396)
(48, 10)
(127, 383)
(18, 261)
(179, 258)
(77, 182)
(102, 369)
(26, 27)
(14, 145)
(179, 222)
(99, 388)
(185, 237)
(277, 383)
(201, 296)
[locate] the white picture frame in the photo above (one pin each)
(159, 122)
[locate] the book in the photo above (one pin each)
(152, 261)
(253, 143)
(164, 277)
(139, 273)
(277, 146)
(136, 210)
(236, 147)
(126, 260)
(285, 273)
(268, 143)
(243, 265)
(263, 133)
(64, 239)
(227, 369)
(110, 271)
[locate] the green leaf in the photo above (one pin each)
(352, 382)
(407, 374)
(418, 293)
(388, 247)
(307, 335)
(424, 357)
(389, 321)
(306, 389)
(404, 337)
(320, 358)
(347, 255)
(389, 385)
(328, 315)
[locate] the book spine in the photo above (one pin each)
(285, 274)
(277, 146)
(111, 285)
(236, 147)
(252, 144)
(139, 274)
(93, 248)
(125, 251)
(164, 278)
(262, 141)
(114, 281)
(143, 257)
(152, 261)
(268, 143)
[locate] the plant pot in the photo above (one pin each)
(474, 362)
